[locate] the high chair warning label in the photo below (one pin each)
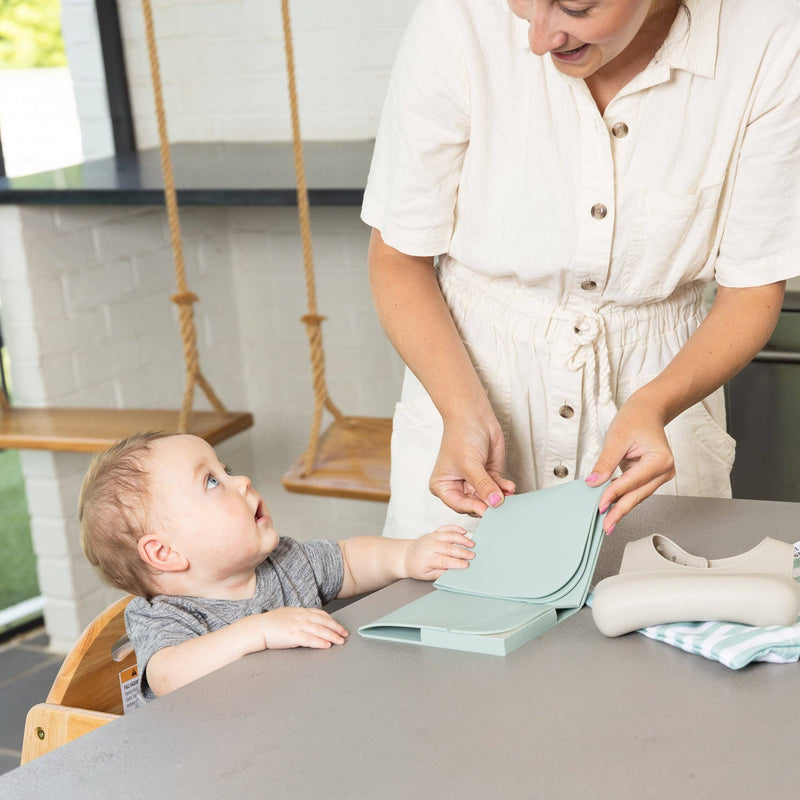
(129, 684)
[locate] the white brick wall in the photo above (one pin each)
(223, 68)
(364, 373)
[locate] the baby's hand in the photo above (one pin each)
(292, 626)
(433, 554)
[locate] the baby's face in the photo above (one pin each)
(215, 519)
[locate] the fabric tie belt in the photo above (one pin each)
(590, 352)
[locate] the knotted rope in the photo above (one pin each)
(312, 319)
(183, 298)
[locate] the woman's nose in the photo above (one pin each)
(544, 34)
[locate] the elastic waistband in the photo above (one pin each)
(529, 311)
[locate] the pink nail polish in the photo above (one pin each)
(494, 499)
(604, 508)
(608, 532)
(592, 478)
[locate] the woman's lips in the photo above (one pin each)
(570, 55)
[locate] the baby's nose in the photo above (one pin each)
(243, 483)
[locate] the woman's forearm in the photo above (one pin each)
(468, 474)
(737, 326)
(416, 319)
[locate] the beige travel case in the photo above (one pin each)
(659, 582)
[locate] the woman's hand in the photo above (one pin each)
(468, 472)
(637, 444)
(413, 312)
(737, 326)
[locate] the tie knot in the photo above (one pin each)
(587, 328)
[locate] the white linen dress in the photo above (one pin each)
(573, 247)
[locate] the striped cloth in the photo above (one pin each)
(732, 644)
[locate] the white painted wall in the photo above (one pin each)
(223, 68)
(85, 290)
(85, 58)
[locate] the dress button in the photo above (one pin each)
(620, 130)
(561, 471)
(566, 411)
(599, 211)
(588, 285)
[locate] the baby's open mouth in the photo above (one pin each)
(260, 511)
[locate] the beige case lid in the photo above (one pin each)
(658, 553)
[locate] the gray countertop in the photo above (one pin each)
(572, 714)
(206, 173)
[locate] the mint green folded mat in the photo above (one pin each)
(534, 560)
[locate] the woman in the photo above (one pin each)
(582, 169)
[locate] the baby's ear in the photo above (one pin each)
(157, 554)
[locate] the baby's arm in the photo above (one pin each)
(372, 562)
(291, 626)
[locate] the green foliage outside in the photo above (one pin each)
(30, 34)
(18, 579)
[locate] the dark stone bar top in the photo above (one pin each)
(208, 173)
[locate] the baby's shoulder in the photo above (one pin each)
(159, 607)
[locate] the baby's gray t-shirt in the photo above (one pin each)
(304, 574)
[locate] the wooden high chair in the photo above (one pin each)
(87, 691)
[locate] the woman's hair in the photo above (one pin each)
(113, 513)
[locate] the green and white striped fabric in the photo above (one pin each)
(732, 644)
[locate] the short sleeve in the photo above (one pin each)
(325, 559)
(761, 239)
(413, 181)
(154, 625)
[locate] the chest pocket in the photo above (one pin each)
(671, 240)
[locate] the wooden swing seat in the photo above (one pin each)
(89, 430)
(86, 692)
(352, 462)
(92, 429)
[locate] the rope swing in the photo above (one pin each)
(93, 429)
(351, 459)
(312, 320)
(183, 298)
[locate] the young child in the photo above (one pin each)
(162, 518)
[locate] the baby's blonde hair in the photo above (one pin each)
(113, 513)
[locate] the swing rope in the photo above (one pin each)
(312, 319)
(184, 297)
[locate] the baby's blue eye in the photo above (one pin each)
(211, 482)
(228, 470)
